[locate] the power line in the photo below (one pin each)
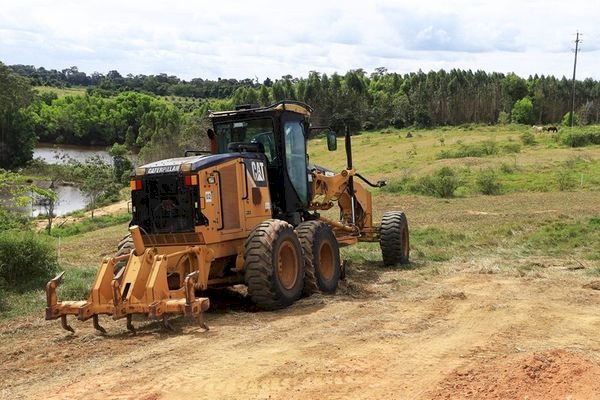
(577, 40)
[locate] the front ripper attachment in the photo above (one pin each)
(141, 288)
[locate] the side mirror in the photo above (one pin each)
(331, 140)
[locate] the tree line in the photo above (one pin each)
(382, 99)
(127, 110)
(113, 82)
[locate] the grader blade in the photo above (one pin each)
(141, 287)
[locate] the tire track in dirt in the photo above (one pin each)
(385, 343)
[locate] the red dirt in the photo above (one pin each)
(554, 374)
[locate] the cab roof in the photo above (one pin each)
(297, 107)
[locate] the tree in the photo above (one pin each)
(121, 164)
(17, 138)
(522, 112)
(264, 96)
(17, 191)
(514, 88)
(96, 180)
(48, 199)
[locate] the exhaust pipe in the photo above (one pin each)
(138, 242)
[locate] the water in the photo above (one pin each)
(70, 198)
(52, 153)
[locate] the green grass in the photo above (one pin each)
(15, 304)
(76, 285)
(80, 257)
(91, 224)
(390, 155)
(479, 149)
(435, 244)
(576, 239)
(558, 237)
(62, 92)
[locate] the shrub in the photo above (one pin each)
(412, 152)
(487, 182)
(565, 179)
(507, 168)
(481, 149)
(566, 120)
(580, 139)
(528, 139)
(27, 260)
(503, 118)
(443, 183)
(489, 147)
(10, 220)
(3, 305)
(510, 148)
(522, 112)
(401, 185)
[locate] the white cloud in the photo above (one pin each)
(265, 38)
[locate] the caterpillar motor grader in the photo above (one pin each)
(248, 212)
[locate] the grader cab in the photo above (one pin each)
(247, 213)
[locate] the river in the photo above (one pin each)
(70, 198)
(52, 153)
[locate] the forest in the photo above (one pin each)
(159, 115)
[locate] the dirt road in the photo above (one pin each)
(455, 331)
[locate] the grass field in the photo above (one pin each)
(61, 92)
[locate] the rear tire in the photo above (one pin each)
(273, 265)
(321, 257)
(394, 238)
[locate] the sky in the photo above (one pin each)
(264, 38)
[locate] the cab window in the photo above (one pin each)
(295, 157)
(250, 131)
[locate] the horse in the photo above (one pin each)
(537, 129)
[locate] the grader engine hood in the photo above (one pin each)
(184, 164)
(168, 196)
(165, 196)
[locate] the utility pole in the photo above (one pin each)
(574, 70)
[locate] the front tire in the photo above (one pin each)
(394, 238)
(124, 247)
(321, 256)
(273, 265)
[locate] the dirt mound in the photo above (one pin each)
(555, 374)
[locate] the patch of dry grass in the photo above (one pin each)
(88, 249)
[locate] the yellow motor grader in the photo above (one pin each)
(246, 213)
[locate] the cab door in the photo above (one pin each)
(294, 143)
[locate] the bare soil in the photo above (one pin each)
(387, 334)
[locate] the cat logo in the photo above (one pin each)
(258, 171)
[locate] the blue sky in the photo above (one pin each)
(263, 38)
